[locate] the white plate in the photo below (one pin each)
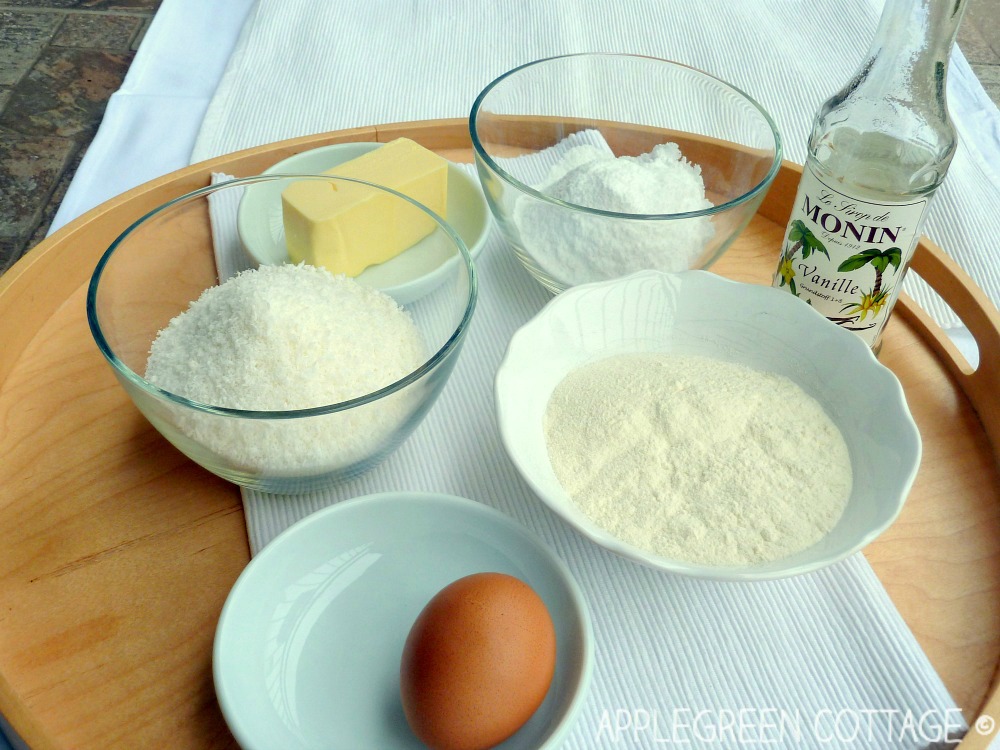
(408, 276)
(309, 642)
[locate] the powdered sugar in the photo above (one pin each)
(575, 246)
(696, 459)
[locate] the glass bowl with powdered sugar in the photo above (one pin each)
(287, 377)
(706, 427)
(599, 165)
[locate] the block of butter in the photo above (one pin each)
(347, 227)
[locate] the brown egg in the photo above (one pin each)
(477, 663)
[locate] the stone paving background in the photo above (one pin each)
(60, 61)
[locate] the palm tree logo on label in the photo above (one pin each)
(799, 238)
(872, 301)
(869, 304)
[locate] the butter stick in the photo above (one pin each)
(347, 227)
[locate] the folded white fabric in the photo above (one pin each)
(308, 66)
(796, 663)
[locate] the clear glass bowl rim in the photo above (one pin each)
(481, 152)
(432, 362)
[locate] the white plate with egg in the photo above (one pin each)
(406, 277)
(309, 644)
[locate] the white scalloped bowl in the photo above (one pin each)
(699, 313)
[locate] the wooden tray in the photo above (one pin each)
(116, 553)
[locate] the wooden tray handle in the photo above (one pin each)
(978, 314)
(981, 384)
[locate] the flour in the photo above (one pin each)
(696, 459)
(576, 247)
(283, 338)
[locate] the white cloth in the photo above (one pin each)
(808, 648)
(308, 66)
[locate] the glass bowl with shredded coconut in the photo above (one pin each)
(706, 427)
(599, 165)
(283, 378)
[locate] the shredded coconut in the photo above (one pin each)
(576, 247)
(281, 338)
(696, 459)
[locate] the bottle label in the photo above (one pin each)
(846, 256)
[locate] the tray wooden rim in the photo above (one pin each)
(75, 241)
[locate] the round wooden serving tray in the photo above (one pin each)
(116, 552)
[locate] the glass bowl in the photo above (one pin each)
(158, 266)
(523, 124)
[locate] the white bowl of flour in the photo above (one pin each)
(706, 427)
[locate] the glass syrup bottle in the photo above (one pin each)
(878, 150)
